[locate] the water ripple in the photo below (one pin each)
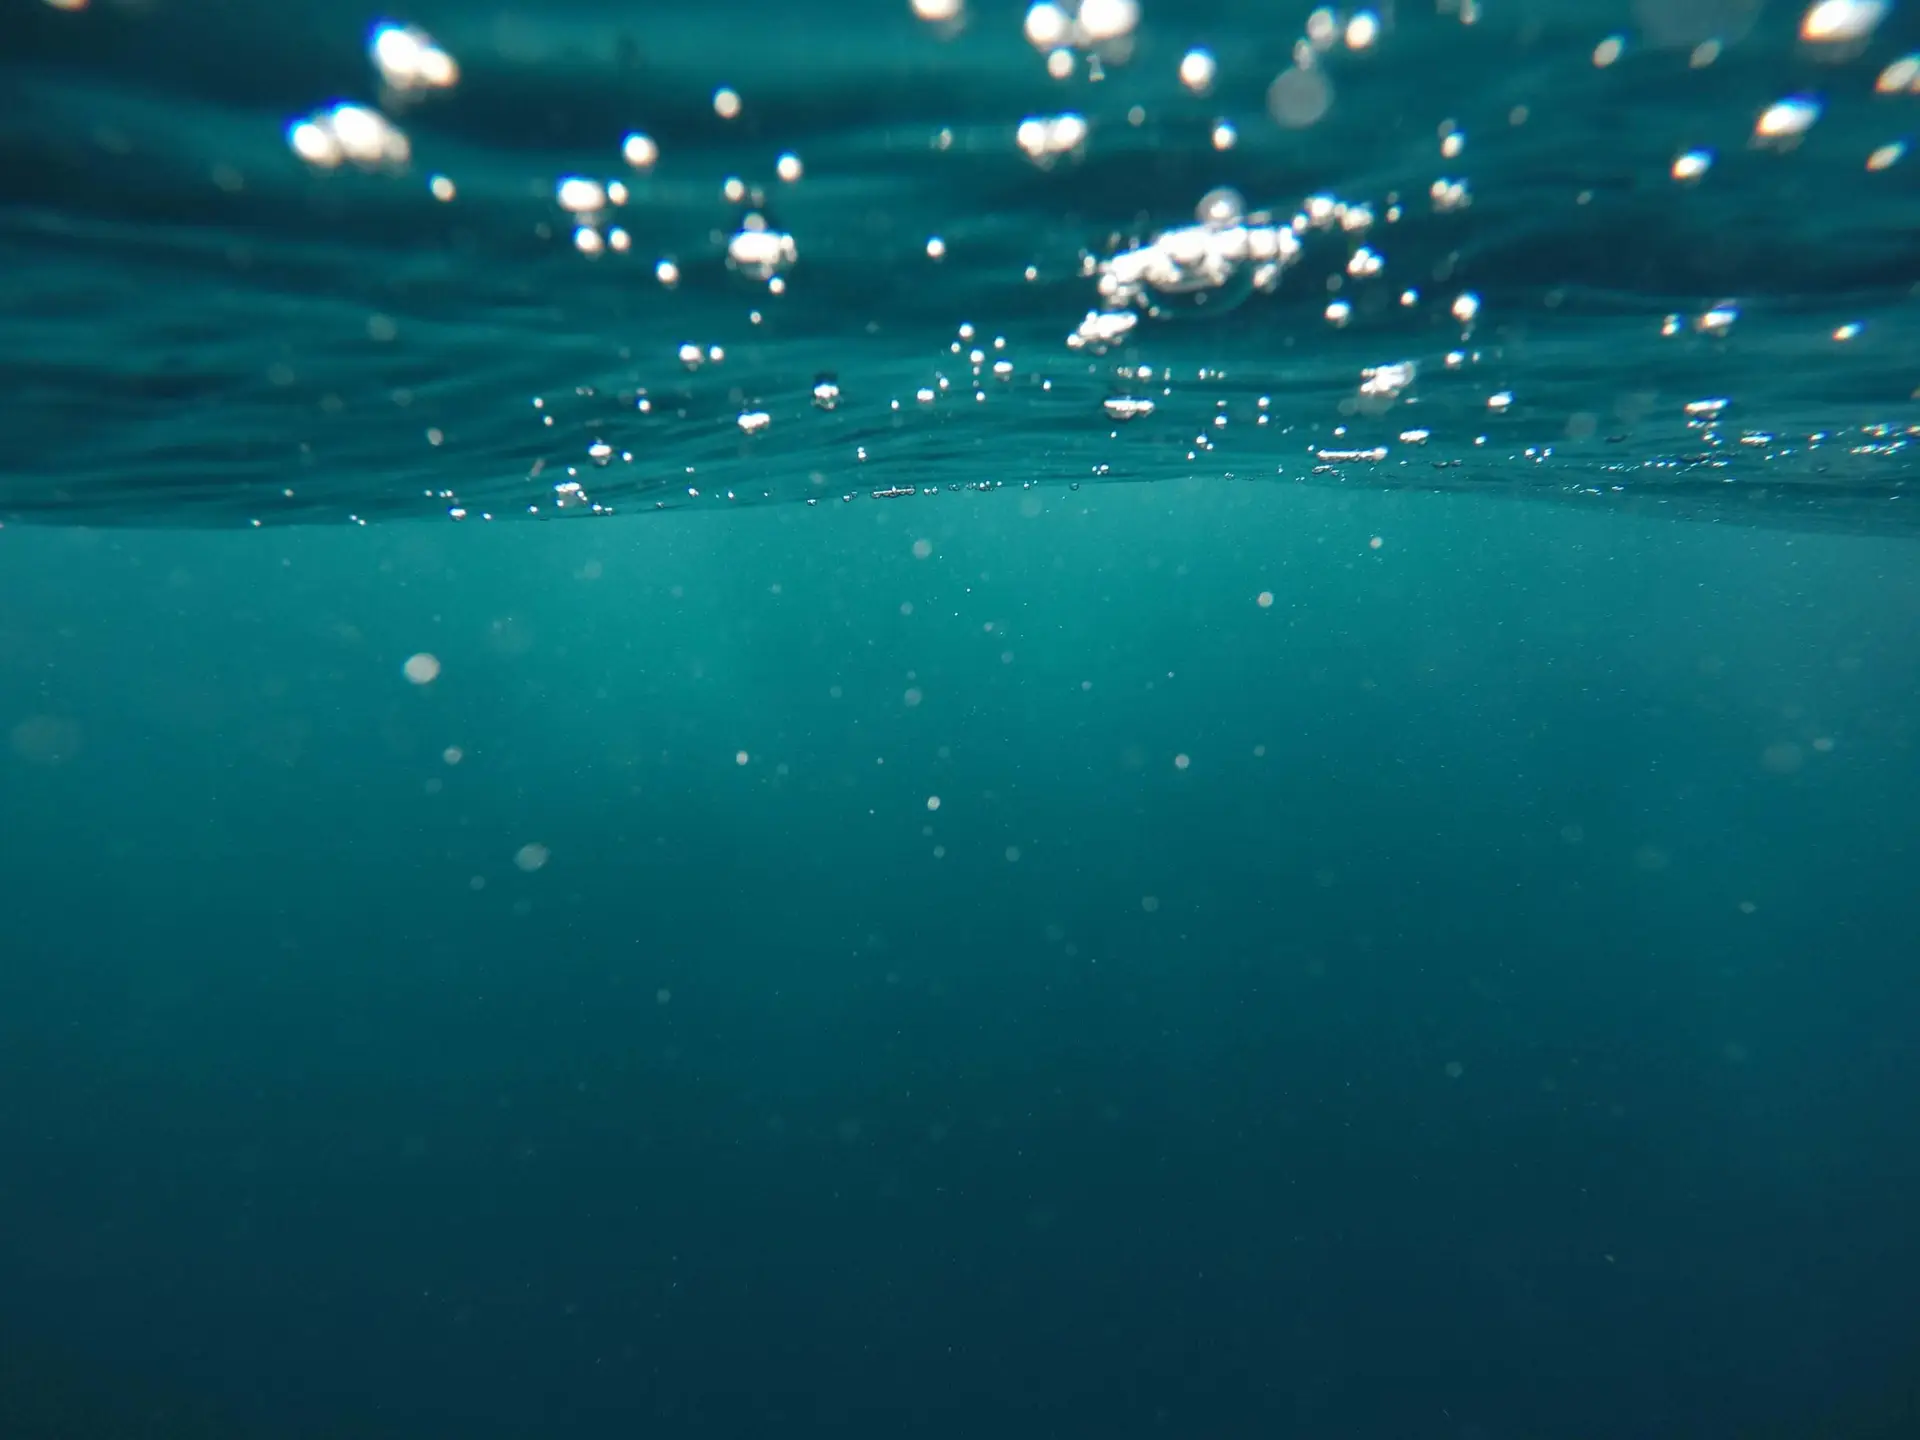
(200, 329)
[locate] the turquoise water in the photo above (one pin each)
(1017, 912)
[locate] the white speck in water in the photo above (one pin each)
(580, 195)
(1047, 26)
(1841, 22)
(1902, 76)
(640, 151)
(1785, 121)
(1692, 165)
(408, 59)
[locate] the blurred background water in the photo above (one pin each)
(1135, 887)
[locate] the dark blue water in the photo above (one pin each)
(1060, 917)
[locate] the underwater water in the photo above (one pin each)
(1051, 840)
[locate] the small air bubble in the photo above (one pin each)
(640, 151)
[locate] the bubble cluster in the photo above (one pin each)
(1044, 139)
(349, 135)
(409, 60)
(409, 64)
(1193, 263)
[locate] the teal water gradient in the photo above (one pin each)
(1519, 1045)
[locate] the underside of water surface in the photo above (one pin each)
(292, 263)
